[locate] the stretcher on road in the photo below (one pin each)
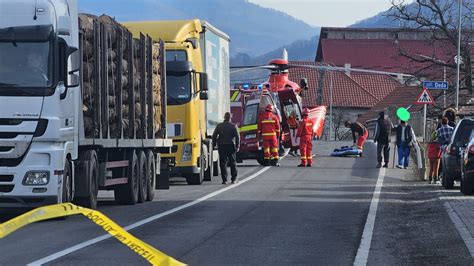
(347, 151)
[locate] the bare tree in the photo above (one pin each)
(439, 19)
(339, 116)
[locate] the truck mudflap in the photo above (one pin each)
(163, 176)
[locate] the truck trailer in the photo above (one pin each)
(197, 74)
(82, 107)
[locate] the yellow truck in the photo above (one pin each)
(197, 78)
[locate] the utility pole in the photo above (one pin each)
(330, 108)
(458, 57)
(444, 91)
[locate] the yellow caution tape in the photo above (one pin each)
(149, 253)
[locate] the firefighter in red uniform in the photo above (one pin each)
(305, 133)
(269, 130)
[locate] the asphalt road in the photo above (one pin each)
(283, 216)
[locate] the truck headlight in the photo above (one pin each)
(35, 178)
(187, 152)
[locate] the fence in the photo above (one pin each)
(416, 122)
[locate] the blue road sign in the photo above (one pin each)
(436, 85)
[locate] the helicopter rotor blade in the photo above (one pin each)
(250, 68)
(333, 68)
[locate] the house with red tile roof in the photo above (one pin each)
(349, 89)
(382, 49)
(353, 94)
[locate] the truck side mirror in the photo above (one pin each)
(70, 63)
(304, 83)
(73, 67)
(64, 25)
(204, 84)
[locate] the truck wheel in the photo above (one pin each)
(209, 162)
(67, 183)
(151, 176)
(128, 193)
(91, 172)
(142, 177)
(196, 179)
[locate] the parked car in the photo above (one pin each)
(451, 157)
(467, 167)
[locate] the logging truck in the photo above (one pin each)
(197, 73)
(82, 107)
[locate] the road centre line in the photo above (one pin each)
(153, 218)
(366, 240)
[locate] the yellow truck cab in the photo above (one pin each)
(197, 79)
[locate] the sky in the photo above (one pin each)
(329, 13)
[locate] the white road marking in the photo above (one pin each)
(153, 218)
(364, 247)
(461, 227)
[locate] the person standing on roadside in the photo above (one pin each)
(450, 114)
(383, 129)
(227, 139)
(293, 125)
(269, 130)
(306, 134)
(434, 156)
(444, 132)
(405, 139)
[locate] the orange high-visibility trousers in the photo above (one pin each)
(306, 150)
(361, 140)
(270, 149)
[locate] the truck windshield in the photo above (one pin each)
(178, 86)
(250, 115)
(26, 64)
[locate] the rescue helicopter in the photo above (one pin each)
(248, 101)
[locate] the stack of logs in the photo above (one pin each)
(114, 42)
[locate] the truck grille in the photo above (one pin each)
(6, 188)
(15, 138)
(6, 178)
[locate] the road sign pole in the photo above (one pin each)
(424, 122)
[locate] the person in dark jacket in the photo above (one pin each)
(405, 139)
(382, 138)
(227, 139)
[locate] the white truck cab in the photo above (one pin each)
(46, 154)
(39, 99)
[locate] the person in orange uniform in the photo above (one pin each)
(293, 124)
(305, 133)
(269, 130)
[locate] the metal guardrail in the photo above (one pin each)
(419, 154)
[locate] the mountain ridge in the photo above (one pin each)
(254, 30)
